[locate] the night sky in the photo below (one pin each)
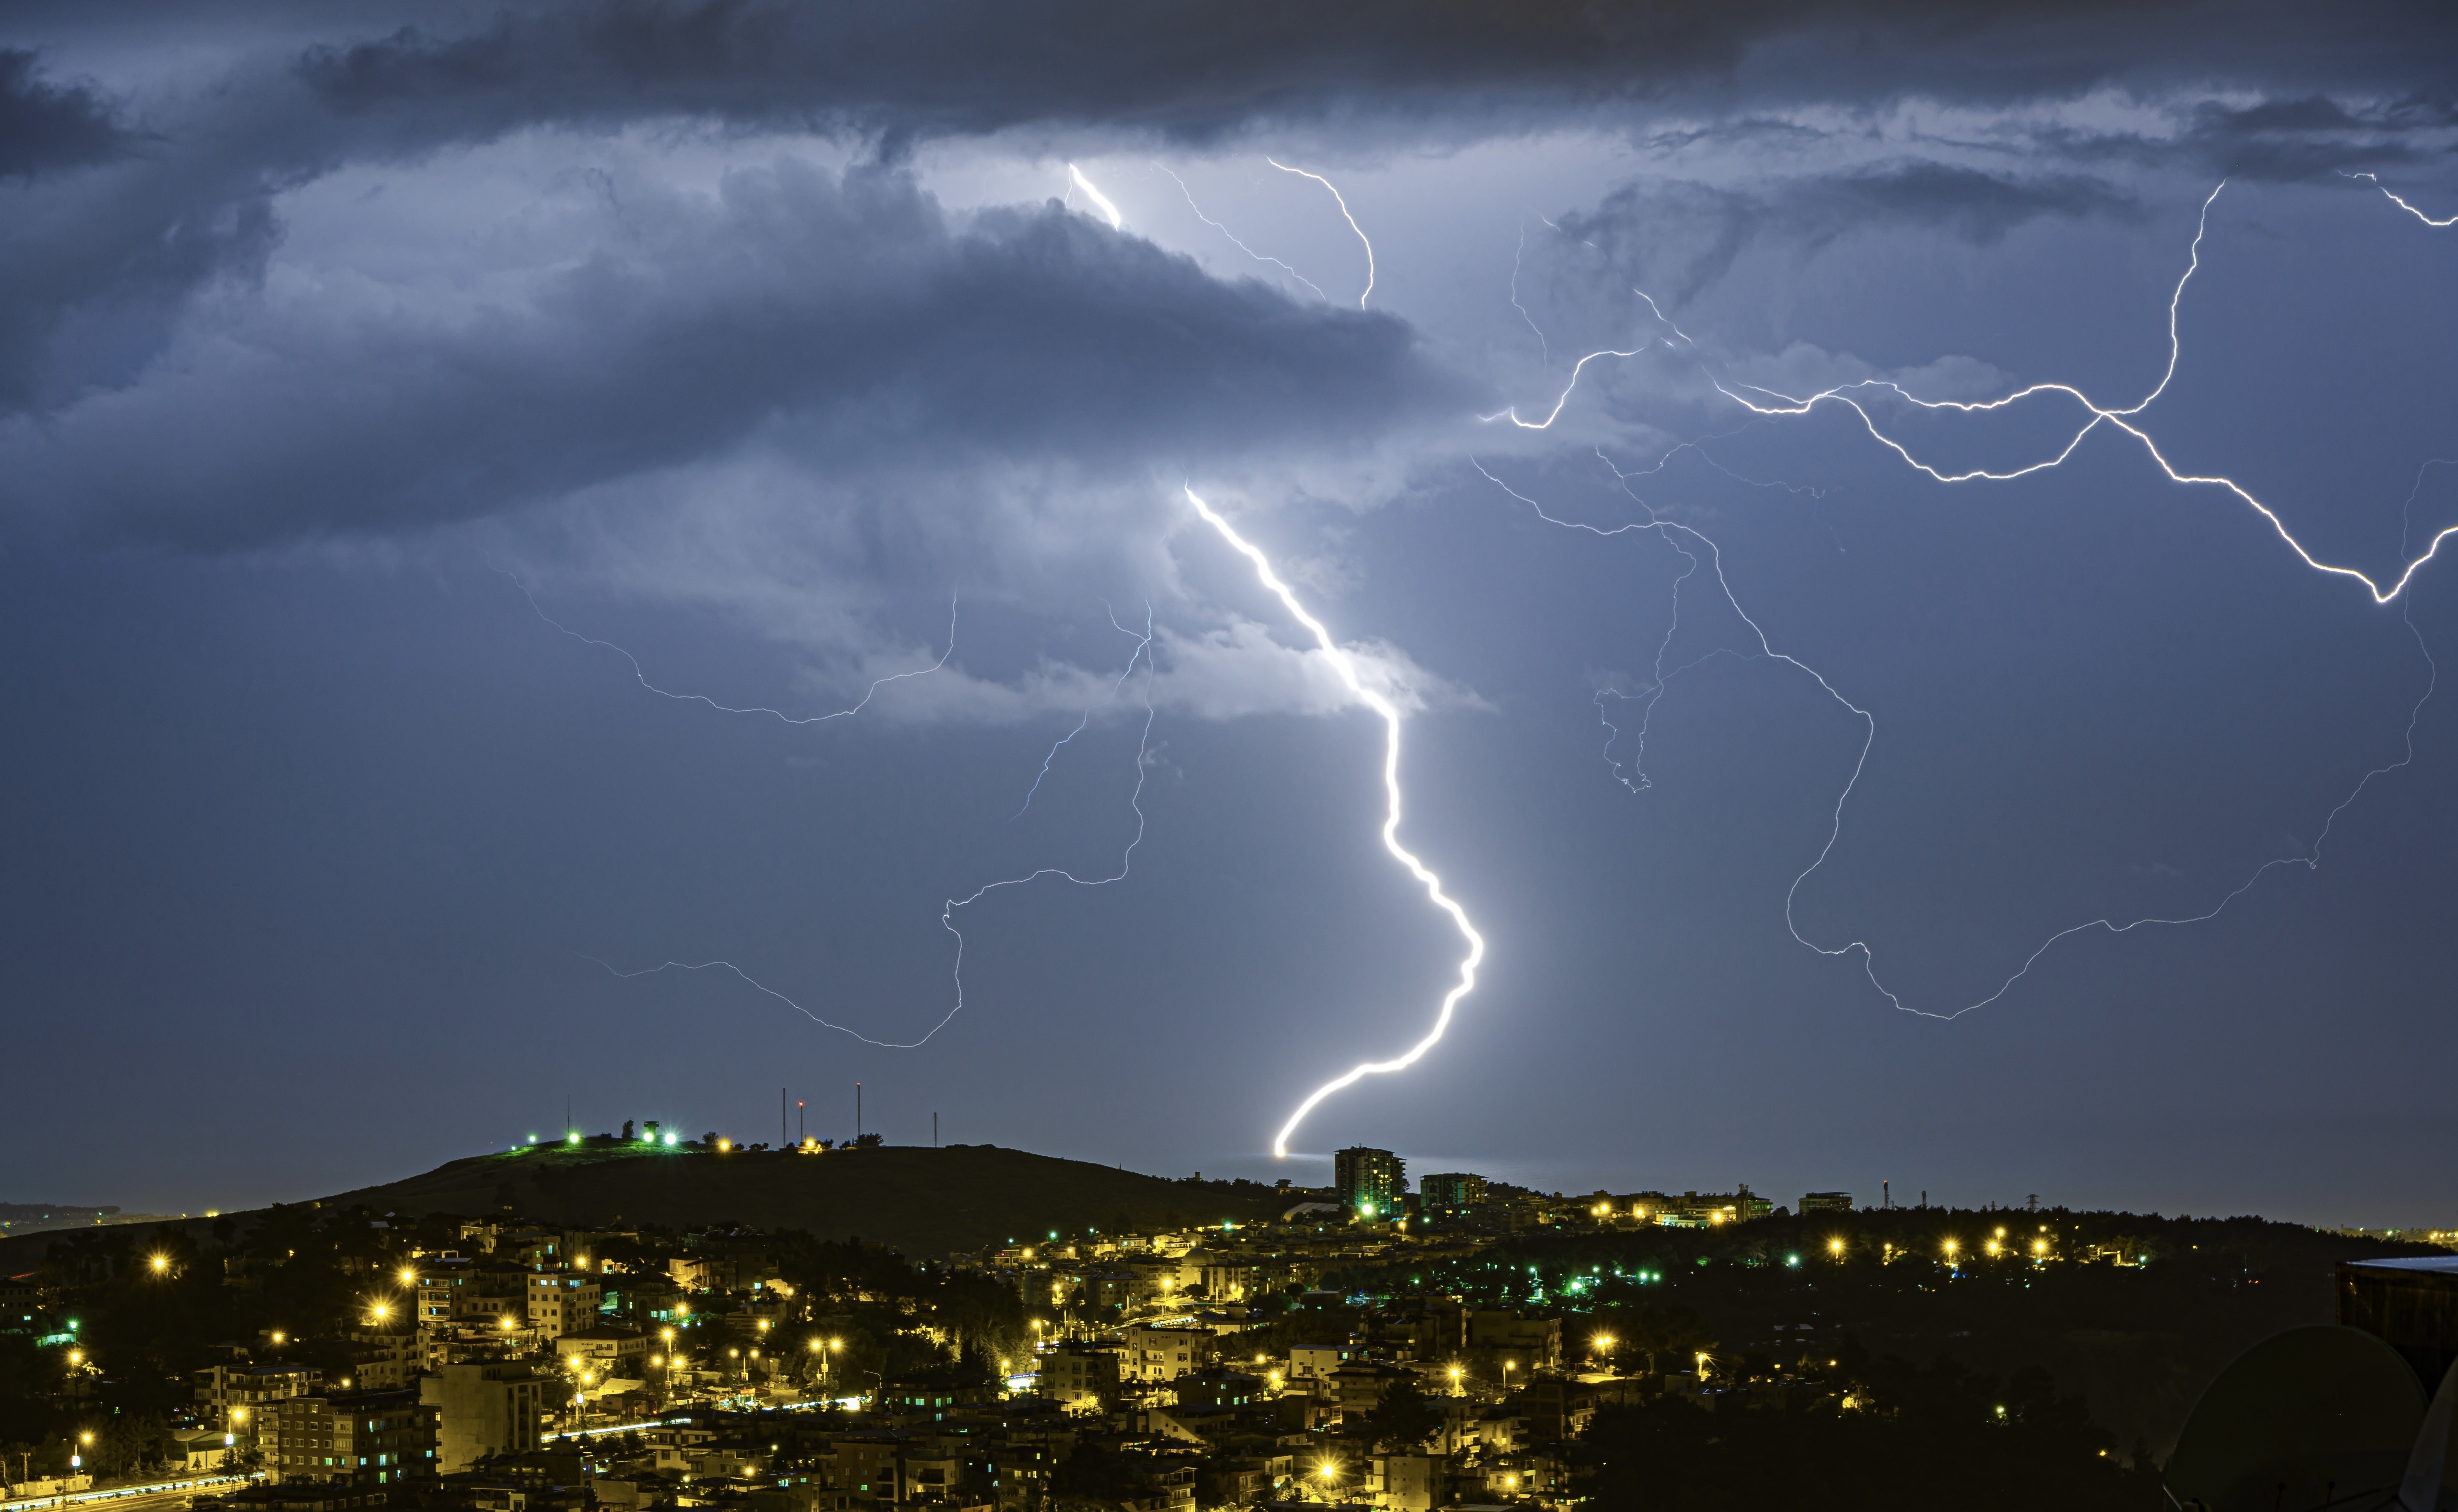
(450, 456)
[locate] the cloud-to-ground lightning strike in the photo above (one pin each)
(2309, 857)
(1101, 200)
(1342, 202)
(774, 713)
(1140, 646)
(1390, 713)
(1235, 242)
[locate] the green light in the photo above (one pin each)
(572, 1139)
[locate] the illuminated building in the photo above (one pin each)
(1827, 1202)
(483, 1407)
(1451, 1191)
(1165, 1351)
(561, 1303)
(1078, 1373)
(356, 1436)
(1371, 1182)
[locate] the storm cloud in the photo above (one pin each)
(845, 319)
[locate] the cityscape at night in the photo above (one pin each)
(1152, 756)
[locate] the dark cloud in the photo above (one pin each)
(1681, 238)
(2281, 140)
(46, 126)
(844, 320)
(1201, 68)
(319, 87)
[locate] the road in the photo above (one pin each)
(159, 1496)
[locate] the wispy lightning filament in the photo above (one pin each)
(947, 911)
(1239, 245)
(1343, 215)
(1390, 713)
(776, 713)
(1081, 724)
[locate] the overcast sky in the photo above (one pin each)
(496, 502)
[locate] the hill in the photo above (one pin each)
(924, 1201)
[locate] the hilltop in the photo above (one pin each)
(921, 1200)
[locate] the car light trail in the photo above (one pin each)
(1390, 713)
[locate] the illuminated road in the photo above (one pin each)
(160, 1496)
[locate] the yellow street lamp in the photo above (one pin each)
(1835, 1247)
(162, 1263)
(409, 1275)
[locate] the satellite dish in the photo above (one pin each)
(2312, 1416)
(2429, 1485)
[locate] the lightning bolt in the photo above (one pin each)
(1233, 237)
(1343, 215)
(2444, 223)
(1390, 713)
(2122, 419)
(1076, 178)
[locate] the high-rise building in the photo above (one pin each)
(484, 1408)
(356, 1436)
(1371, 1182)
(1451, 1191)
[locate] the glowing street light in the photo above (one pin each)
(162, 1263)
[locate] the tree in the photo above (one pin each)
(1093, 1480)
(1403, 1417)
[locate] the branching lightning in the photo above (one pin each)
(2122, 419)
(1390, 713)
(1343, 215)
(1141, 645)
(1142, 654)
(777, 714)
(1235, 242)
